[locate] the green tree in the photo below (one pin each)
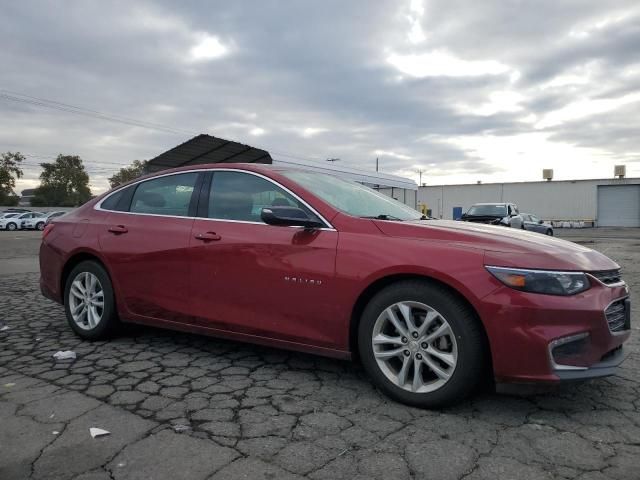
(9, 171)
(126, 174)
(63, 183)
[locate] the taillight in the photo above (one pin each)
(47, 230)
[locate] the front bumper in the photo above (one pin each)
(524, 329)
(604, 368)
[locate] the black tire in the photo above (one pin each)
(472, 361)
(109, 322)
(549, 232)
(40, 226)
(12, 226)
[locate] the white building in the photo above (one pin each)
(613, 202)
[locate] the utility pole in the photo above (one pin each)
(376, 164)
(420, 172)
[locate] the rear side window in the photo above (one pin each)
(242, 196)
(111, 203)
(168, 195)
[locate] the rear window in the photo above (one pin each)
(488, 210)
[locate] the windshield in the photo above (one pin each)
(352, 198)
(488, 210)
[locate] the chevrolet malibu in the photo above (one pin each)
(306, 261)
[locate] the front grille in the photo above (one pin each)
(616, 314)
(608, 277)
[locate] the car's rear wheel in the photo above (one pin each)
(89, 301)
(421, 344)
(40, 226)
(549, 232)
(12, 226)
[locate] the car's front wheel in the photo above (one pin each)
(421, 344)
(12, 226)
(549, 232)
(89, 301)
(40, 226)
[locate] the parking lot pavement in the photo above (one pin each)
(184, 406)
(19, 251)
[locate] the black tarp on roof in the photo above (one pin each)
(207, 149)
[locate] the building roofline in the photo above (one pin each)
(620, 180)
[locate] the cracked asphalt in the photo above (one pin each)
(185, 406)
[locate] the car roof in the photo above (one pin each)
(250, 167)
(493, 203)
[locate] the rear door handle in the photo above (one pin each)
(208, 237)
(118, 229)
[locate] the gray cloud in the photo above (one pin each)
(313, 79)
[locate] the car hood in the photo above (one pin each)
(503, 246)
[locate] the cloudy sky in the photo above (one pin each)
(466, 90)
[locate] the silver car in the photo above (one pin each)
(534, 224)
(35, 222)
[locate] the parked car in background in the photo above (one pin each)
(307, 261)
(8, 214)
(36, 222)
(15, 222)
(505, 214)
(535, 224)
(53, 215)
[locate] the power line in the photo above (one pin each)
(78, 110)
(63, 107)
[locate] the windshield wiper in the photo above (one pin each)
(383, 216)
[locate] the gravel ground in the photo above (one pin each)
(184, 406)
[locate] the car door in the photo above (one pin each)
(258, 279)
(515, 220)
(535, 225)
(145, 240)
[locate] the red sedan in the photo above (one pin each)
(306, 261)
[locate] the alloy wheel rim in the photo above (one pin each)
(86, 300)
(414, 347)
(11, 226)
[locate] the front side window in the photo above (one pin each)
(242, 196)
(168, 195)
(352, 198)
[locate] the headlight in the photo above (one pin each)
(542, 281)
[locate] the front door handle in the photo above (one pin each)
(118, 229)
(208, 237)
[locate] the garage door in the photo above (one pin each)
(619, 205)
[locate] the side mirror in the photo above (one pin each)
(540, 222)
(288, 217)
